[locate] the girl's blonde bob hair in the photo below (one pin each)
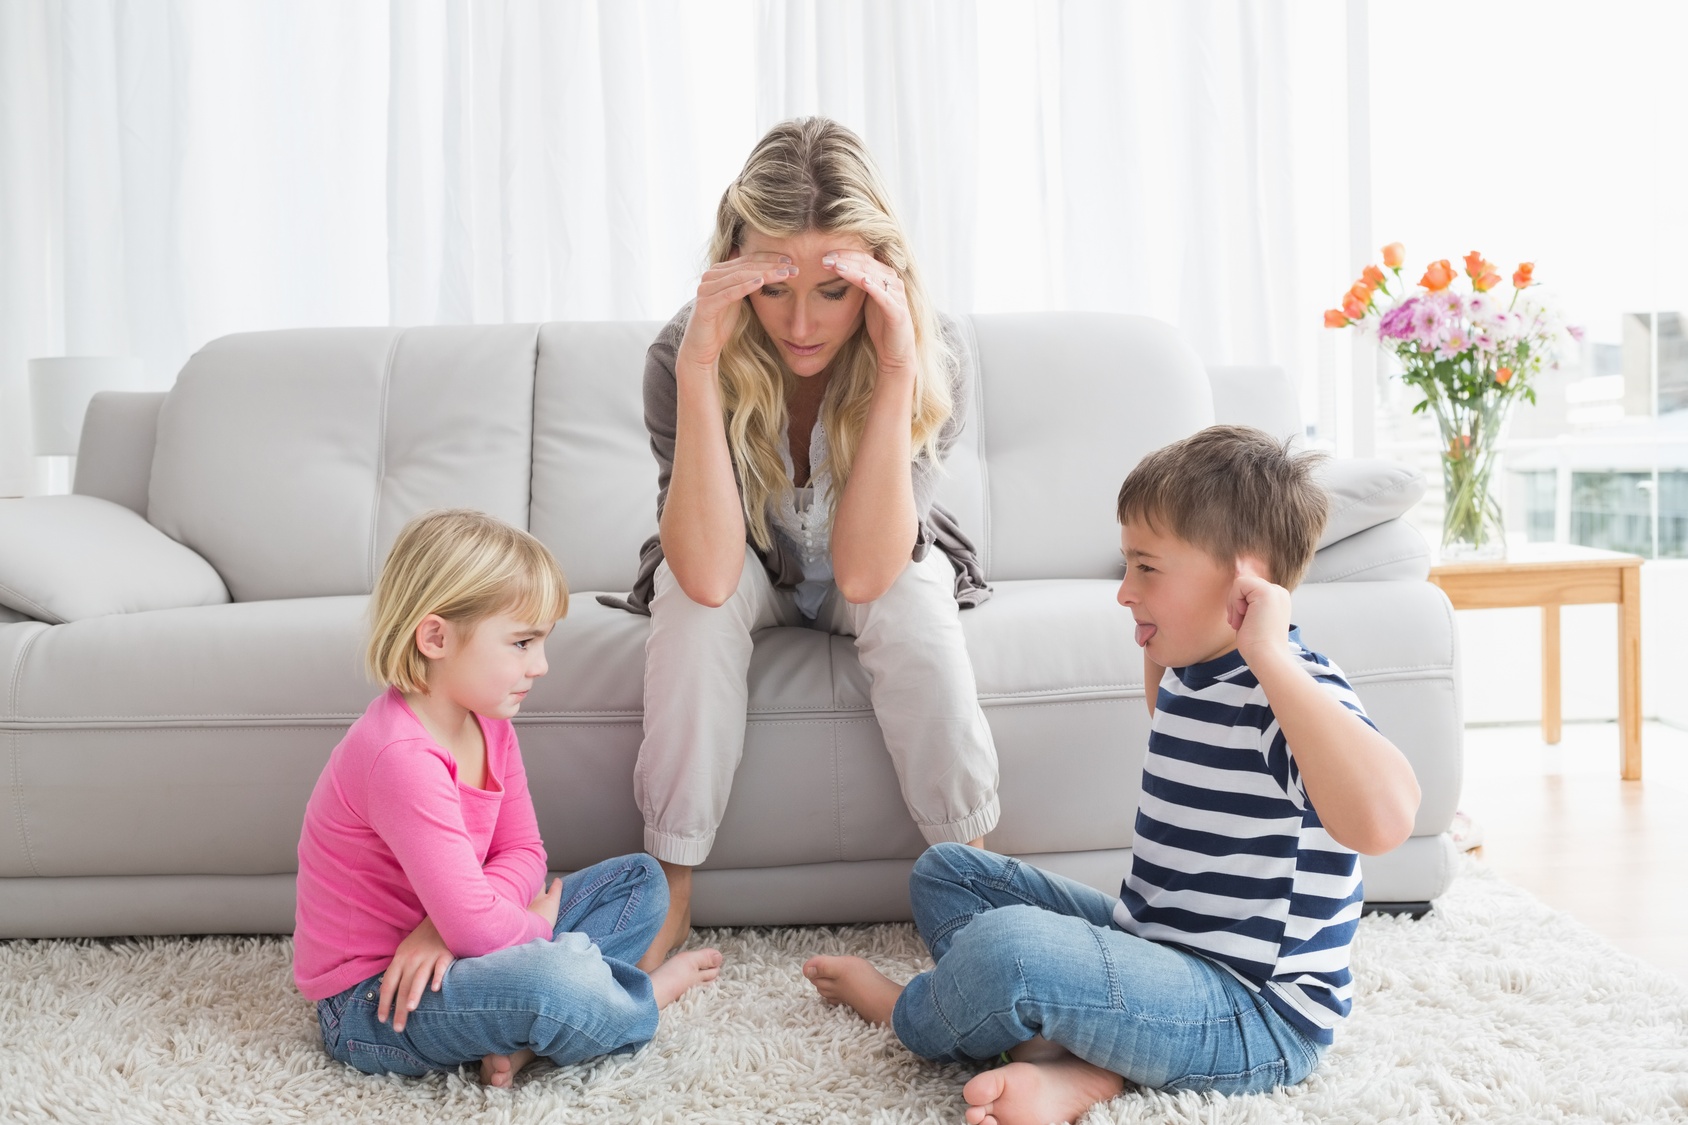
(465, 566)
(814, 174)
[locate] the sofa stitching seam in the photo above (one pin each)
(41, 612)
(381, 453)
(17, 754)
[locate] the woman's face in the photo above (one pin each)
(810, 316)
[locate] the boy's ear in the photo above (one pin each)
(430, 636)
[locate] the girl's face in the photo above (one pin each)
(810, 316)
(488, 667)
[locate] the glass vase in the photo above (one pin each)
(1472, 438)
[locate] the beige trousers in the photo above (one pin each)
(697, 660)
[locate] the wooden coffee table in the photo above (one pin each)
(1551, 575)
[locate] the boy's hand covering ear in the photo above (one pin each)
(1258, 609)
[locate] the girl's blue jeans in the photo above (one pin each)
(1022, 953)
(572, 998)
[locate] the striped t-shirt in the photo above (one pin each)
(1230, 859)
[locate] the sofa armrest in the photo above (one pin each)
(67, 558)
(118, 435)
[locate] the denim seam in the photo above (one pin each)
(590, 889)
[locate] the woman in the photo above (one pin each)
(812, 337)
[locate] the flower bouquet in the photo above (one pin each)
(1472, 356)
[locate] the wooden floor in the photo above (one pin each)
(1558, 821)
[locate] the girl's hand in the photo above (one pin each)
(889, 325)
(420, 956)
(548, 902)
(720, 301)
(1258, 609)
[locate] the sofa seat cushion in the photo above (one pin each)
(243, 663)
(67, 558)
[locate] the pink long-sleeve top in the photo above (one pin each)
(391, 836)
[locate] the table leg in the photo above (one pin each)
(1629, 671)
(1550, 669)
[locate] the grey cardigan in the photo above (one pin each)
(937, 526)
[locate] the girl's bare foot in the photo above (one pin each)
(500, 1070)
(1036, 1093)
(677, 927)
(855, 982)
(681, 971)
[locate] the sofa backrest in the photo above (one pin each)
(594, 479)
(1065, 404)
(291, 459)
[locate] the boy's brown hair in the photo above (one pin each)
(1233, 491)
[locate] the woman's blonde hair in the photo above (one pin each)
(814, 174)
(465, 566)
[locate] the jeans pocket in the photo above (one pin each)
(378, 1058)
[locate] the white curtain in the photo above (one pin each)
(174, 170)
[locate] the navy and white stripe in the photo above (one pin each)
(1230, 859)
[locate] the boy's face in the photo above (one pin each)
(1177, 593)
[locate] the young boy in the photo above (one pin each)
(1223, 964)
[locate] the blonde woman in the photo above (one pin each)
(799, 410)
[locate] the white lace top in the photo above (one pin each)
(802, 517)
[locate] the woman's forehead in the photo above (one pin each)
(811, 245)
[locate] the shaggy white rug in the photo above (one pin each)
(1492, 1009)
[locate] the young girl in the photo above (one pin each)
(424, 930)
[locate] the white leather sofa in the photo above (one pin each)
(181, 641)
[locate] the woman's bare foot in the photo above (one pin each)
(1036, 1093)
(681, 971)
(500, 1070)
(855, 982)
(677, 927)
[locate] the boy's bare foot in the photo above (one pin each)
(977, 842)
(855, 982)
(500, 1070)
(677, 927)
(1036, 1093)
(681, 971)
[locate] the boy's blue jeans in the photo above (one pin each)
(1021, 953)
(569, 999)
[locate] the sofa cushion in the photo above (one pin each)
(1392, 550)
(66, 558)
(1364, 493)
(290, 459)
(1068, 402)
(594, 478)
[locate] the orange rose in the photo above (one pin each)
(1394, 254)
(1361, 291)
(1335, 319)
(1373, 277)
(1475, 266)
(1522, 279)
(1487, 282)
(1438, 276)
(1353, 307)
(1503, 376)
